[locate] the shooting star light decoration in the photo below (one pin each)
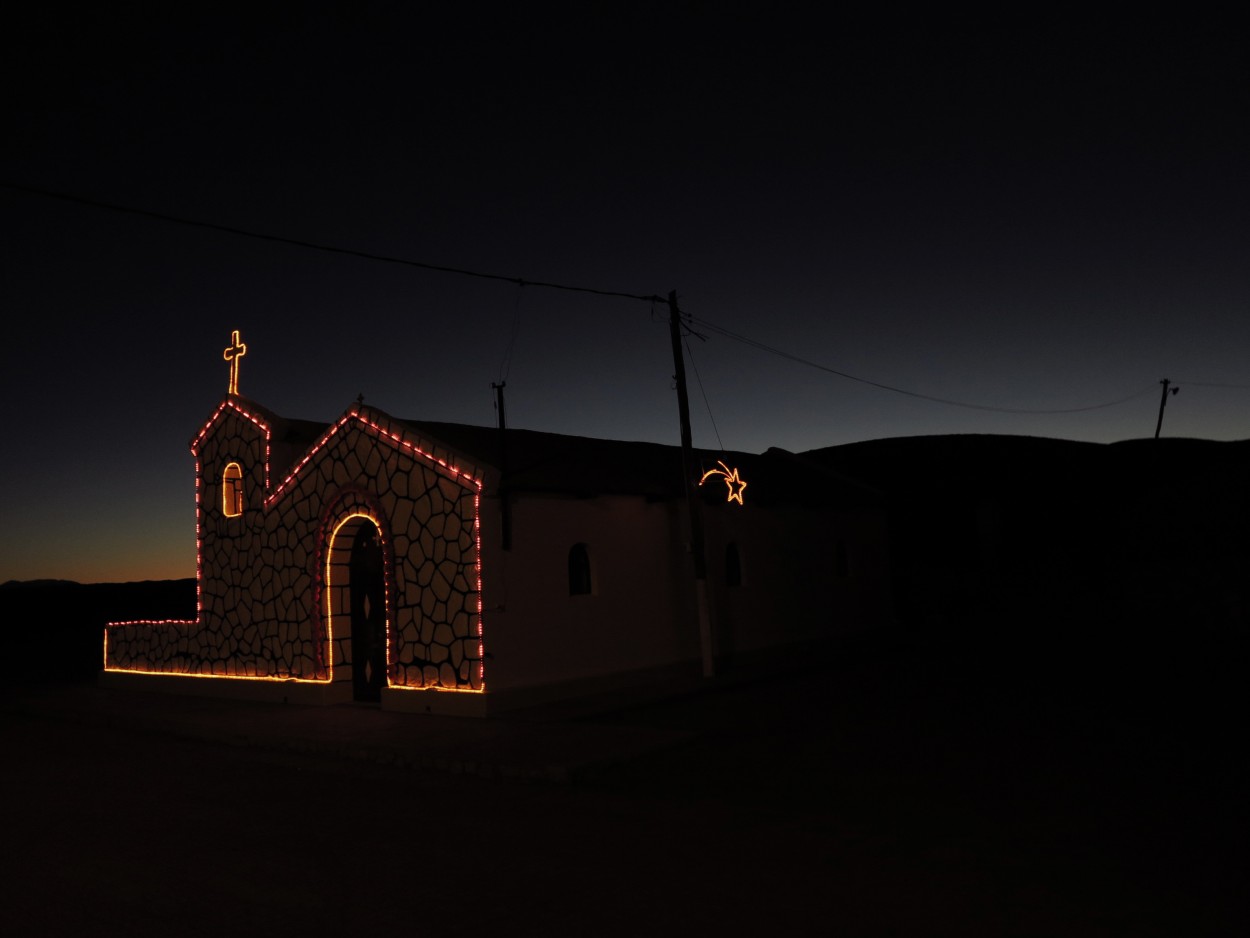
(735, 485)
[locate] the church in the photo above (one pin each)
(445, 568)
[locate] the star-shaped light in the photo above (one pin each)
(732, 482)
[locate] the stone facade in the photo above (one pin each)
(353, 560)
(274, 590)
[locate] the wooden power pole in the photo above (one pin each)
(692, 497)
(1163, 402)
(505, 506)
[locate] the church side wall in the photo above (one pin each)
(640, 613)
(803, 575)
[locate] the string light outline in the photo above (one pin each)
(328, 592)
(375, 428)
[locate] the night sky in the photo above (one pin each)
(1016, 213)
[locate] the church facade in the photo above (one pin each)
(445, 568)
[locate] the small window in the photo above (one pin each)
(733, 565)
(579, 571)
(841, 560)
(232, 490)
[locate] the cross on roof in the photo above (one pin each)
(232, 354)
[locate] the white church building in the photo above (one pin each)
(446, 568)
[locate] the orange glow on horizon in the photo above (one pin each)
(232, 354)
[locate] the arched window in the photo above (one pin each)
(580, 583)
(733, 565)
(841, 560)
(232, 490)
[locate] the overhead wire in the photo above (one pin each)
(316, 246)
(702, 390)
(505, 367)
(552, 285)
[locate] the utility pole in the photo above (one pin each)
(505, 508)
(1163, 402)
(692, 498)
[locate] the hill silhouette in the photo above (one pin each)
(1065, 551)
(995, 532)
(56, 627)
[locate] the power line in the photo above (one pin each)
(505, 366)
(702, 390)
(521, 282)
(316, 246)
(720, 330)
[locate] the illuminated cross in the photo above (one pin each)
(236, 351)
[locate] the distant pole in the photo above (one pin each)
(503, 422)
(692, 498)
(1163, 402)
(505, 508)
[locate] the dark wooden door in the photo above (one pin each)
(367, 587)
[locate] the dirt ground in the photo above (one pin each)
(897, 790)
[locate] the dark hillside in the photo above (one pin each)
(57, 626)
(1068, 552)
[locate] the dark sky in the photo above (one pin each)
(1017, 212)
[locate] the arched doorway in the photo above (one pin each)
(366, 585)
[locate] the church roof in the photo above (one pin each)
(579, 466)
(535, 461)
(532, 460)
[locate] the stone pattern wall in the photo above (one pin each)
(436, 635)
(263, 602)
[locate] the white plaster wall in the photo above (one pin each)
(641, 614)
